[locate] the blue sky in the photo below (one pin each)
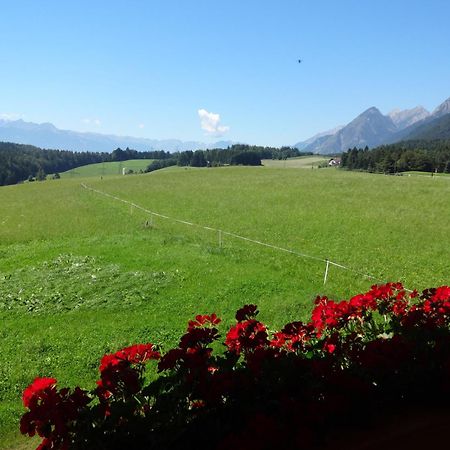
(146, 68)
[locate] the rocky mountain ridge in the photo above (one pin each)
(371, 128)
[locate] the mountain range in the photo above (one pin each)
(46, 135)
(372, 128)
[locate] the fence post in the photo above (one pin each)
(326, 272)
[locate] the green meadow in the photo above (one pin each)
(107, 168)
(426, 174)
(82, 274)
(301, 162)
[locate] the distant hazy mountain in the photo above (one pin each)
(314, 140)
(46, 135)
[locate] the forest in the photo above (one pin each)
(20, 162)
(419, 155)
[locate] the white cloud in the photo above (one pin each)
(10, 116)
(210, 123)
(89, 121)
(141, 125)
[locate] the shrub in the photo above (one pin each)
(353, 361)
(41, 176)
(160, 164)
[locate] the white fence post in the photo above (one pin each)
(326, 272)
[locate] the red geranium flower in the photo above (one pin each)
(246, 312)
(36, 388)
(202, 320)
(247, 335)
(134, 354)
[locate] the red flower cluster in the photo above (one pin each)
(193, 353)
(246, 336)
(434, 309)
(134, 354)
(293, 337)
(328, 314)
(36, 389)
(50, 412)
(246, 312)
(203, 320)
(120, 372)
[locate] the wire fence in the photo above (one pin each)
(222, 233)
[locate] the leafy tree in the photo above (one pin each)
(160, 164)
(198, 159)
(184, 158)
(41, 176)
(246, 159)
(118, 155)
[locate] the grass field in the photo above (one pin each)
(82, 274)
(302, 162)
(107, 168)
(426, 174)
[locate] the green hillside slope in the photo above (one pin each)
(302, 162)
(107, 168)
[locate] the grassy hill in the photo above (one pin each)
(107, 168)
(302, 162)
(115, 168)
(82, 274)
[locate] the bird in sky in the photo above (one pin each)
(299, 60)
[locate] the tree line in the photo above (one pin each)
(237, 154)
(20, 162)
(426, 156)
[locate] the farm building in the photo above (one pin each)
(334, 162)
